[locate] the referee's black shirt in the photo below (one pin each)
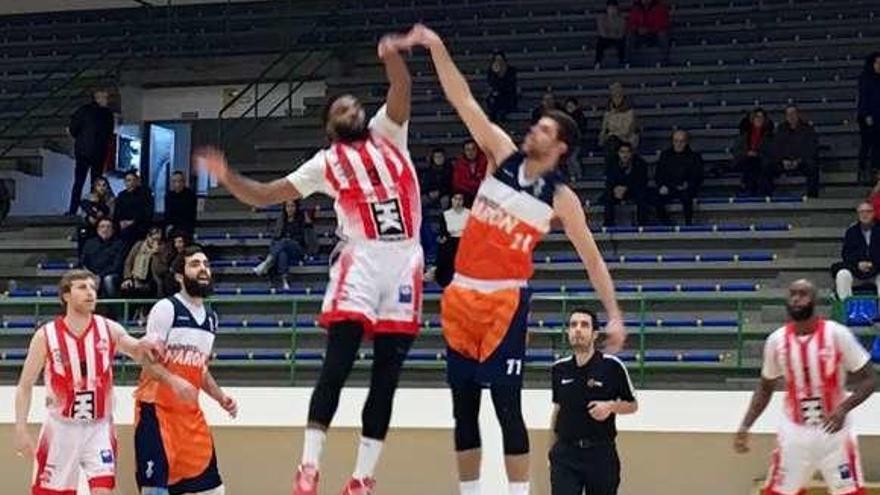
(602, 378)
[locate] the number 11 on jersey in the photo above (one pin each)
(514, 367)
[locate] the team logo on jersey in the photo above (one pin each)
(83, 406)
(812, 411)
(405, 294)
(389, 222)
(490, 212)
(149, 471)
(593, 383)
(107, 456)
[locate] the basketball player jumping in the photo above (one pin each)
(814, 356)
(76, 353)
(485, 310)
(375, 287)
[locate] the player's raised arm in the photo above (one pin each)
(567, 208)
(491, 139)
(399, 98)
(33, 364)
(249, 191)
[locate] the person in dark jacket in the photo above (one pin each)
(678, 176)
(869, 116)
(104, 256)
(5, 201)
(435, 180)
(573, 158)
(752, 153)
(626, 179)
(180, 205)
(98, 205)
(860, 253)
(795, 148)
(134, 210)
(503, 89)
(91, 127)
(293, 239)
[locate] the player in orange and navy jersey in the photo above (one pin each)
(485, 310)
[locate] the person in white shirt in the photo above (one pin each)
(451, 227)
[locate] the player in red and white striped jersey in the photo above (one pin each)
(375, 286)
(813, 356)
(75, 353)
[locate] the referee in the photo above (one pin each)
(589, 389)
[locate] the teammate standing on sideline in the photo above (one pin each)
(485, 310)
(75, 353)
(375, 287)
(174, 450)
(814, 356)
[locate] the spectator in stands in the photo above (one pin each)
(293, 240)
(141, 275)
(91, 127)
(678, 176)
(469, 171)
(180, 205)
(134, 210)
(176, 246)
(860, 253)
(574, 110)
(612, 32)
(795, 149)
(451, 227)
(104, 255)
(5, 201)
(548, 103)
(869, 116)
(626, 179)
(752, 153)
(98, 205)
(648, 24)
(619, 124)
(436, 180)
(503, 88)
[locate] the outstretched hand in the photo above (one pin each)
(213, 161)
(422, 35)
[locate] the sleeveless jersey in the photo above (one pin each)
(79, 370)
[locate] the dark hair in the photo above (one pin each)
(499, 53)
(612, 3)
(325, 113)
(180, 261)
(177, 172)
(566, 128)
(869, 63)
(625, 144)
(571, 99)
(104, 219)
(131, 171)
(175, 233)
(468, 141)
(438, 150)
(584, 310)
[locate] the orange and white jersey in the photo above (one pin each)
(373, 183)
(509, 217)
(187, 332)
(814, 367)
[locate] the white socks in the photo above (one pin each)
(469, 487)
(518, 487)
(313, 445)
(367, 458)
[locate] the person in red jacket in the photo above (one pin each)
(469, 171)
(648, 24)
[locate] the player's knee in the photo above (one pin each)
(513, 426)
(467, 427)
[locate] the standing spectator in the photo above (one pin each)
(133, 211)
(452, 225)
(469, 171)
(869, 116)
(98, 205)
(752, 153)
(678, 176)
(5, 201)
(619, 123)
(180, 205)
(436, 180)
(293, 239)
(104, 256)
(574, 110)
(91, 127)
(795, 149)
(648, 24)
(503, 88)
(612, 31)
(142, 267)
(626, 179)
(860, 254)
(548, 103)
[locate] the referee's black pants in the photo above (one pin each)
(576, 470)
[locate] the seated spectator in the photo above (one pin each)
(503, 89)
(648, 24)
(134, 210)
(176, 245)
(626, 179)
(548, 103)
(573, 108)
(141, 274)
(678, 176)
(452, 225)
(619, 123)
(752, 154)
(612, 31)
(436, 179)
(99, 204)
(869, 116)
(104, 256)
(180, 205)
(469, 171)
(293, 240)
(795, 150)
(860, 253)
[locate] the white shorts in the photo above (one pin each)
(802, 450)
(66, 448)
(377, 283)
